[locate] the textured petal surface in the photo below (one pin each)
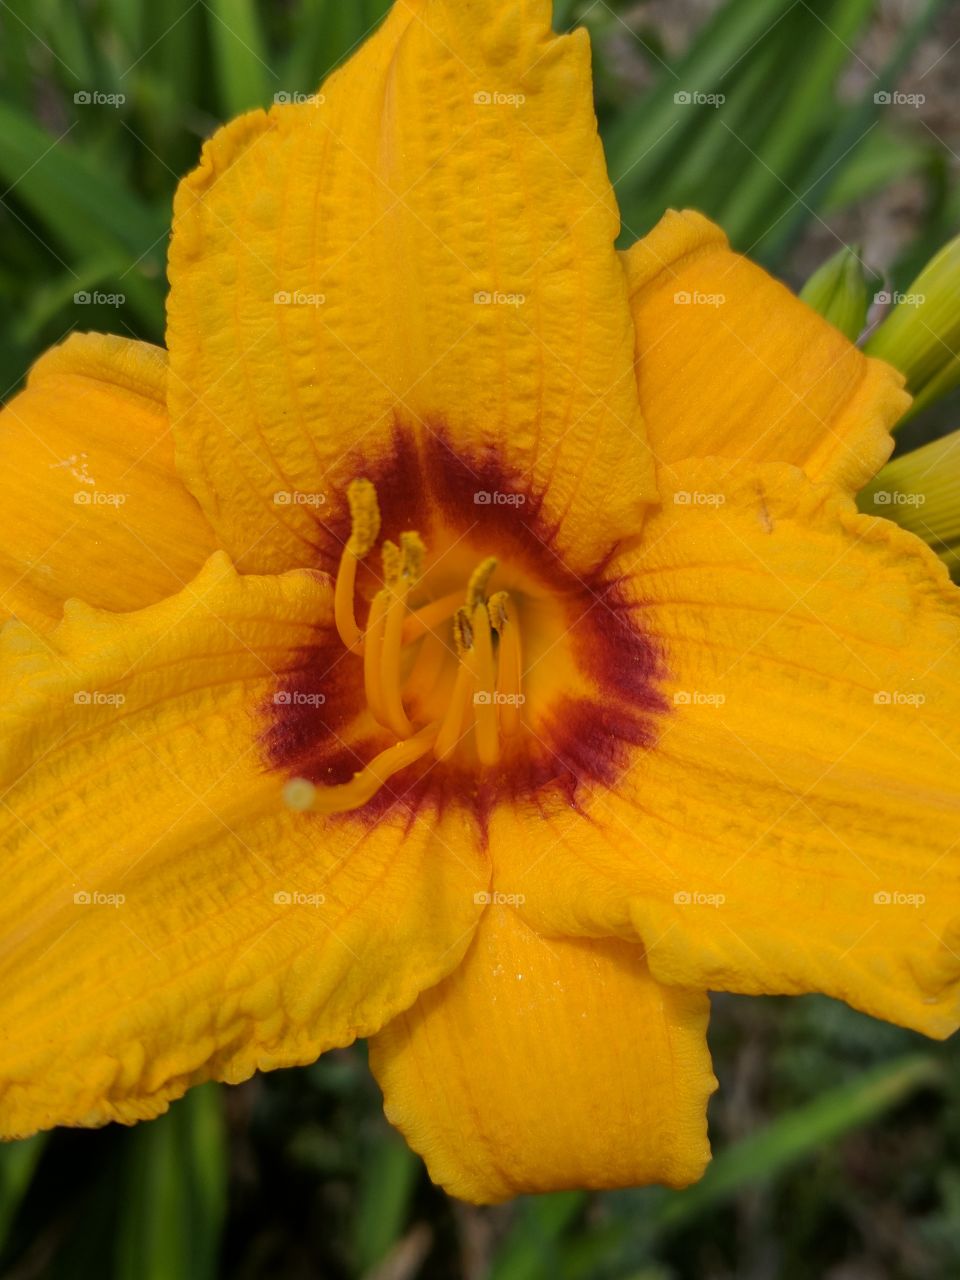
(796, 826)
(164, 919)
(427, 250)
(92, 503)
(731, 363)
(543, 1063)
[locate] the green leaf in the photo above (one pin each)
(642, 128)
(388, 1175)
(532, 1246)
(17, 1163)
(820, 173)
(244, 74)
(763, 1156)
(85, 213)
(172, 1212)
(881, 158)
(747, 214)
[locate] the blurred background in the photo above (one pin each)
(800, 127)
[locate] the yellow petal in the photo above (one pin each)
(163, 918)
(730, 363)
(421, 262)
(88, 484)
(795, 825)
(545, 1063)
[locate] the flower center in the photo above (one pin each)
(405, 650)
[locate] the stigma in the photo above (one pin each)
(441, 676)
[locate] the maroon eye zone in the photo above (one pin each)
(473, 666)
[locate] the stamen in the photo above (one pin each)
(488, 675)
(302, 795)
(477, 586)
(409, 567)
(459, 705)
(503, 619)
(373, 653)
(484, 704)
(364, 530)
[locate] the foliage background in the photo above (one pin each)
(837, 1138)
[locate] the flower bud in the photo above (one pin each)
(921, 334)
(920, 491)
(840, 291)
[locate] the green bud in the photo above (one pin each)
(920, 491)
(841, 291)
(921, 335)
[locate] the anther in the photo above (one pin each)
(364, 531)
(477, 585)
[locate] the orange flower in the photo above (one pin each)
(637, 707)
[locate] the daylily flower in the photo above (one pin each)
(463, 637)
